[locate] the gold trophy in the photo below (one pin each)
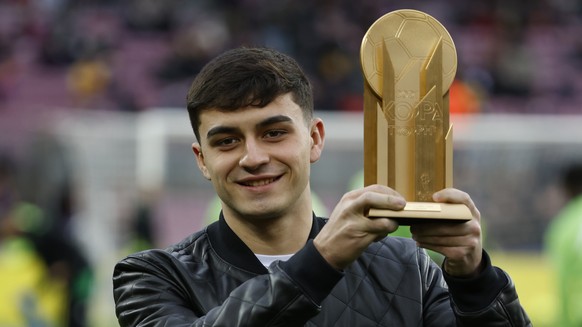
(409, 62)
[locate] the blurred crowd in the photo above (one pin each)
(136, 54)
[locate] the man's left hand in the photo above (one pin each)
(460, 243)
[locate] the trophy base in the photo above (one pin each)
(423, 212)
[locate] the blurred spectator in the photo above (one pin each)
(575, 54)
(137, 226)
(191, 46)
(88, 80)
(149, 15)
(564, 247)
(512, 63)
(60, 41)
(26, 292)
(7, 68)
(7, 183)
(464, 99)
(34, 238)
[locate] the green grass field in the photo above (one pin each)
(535, 283)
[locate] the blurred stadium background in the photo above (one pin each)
(92, 111)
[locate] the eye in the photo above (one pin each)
(275, 133)
(225, 142)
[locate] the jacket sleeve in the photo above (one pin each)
(489, 299)
(149, 290)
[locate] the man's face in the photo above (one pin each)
(258, 159)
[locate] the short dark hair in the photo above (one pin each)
(245, 77)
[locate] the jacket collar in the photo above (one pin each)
(233, 250)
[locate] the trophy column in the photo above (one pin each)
(409, 62)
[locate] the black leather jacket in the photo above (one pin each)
(213, 279)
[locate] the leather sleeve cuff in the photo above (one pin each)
(312, 273)
(476, 293)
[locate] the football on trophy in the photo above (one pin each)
(410, 37)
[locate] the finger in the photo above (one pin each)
(452, 195)
(443, 244)
(381, 189)
(356, 204)
(463, 253)
(381, 226)
(440, 229)
(361, 201)
(454, 243)
(449, 241)
(381, 197)
(452, 253)
(445, 230)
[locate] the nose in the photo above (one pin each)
(254, 155)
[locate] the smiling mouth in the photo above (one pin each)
(260, 182)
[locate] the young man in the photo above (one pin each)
(269, 261)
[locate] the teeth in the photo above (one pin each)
(260, 182)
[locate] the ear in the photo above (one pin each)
(317, 139)
(197, 149)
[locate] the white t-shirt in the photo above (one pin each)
(266, 260)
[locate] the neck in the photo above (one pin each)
(284, 234)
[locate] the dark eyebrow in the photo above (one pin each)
(274, 120)
(231, 130)
(221, 130)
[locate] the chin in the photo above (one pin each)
(262, 213)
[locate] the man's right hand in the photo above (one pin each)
(349, 231)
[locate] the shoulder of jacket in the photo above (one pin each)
(188, 242)
(176, 250)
